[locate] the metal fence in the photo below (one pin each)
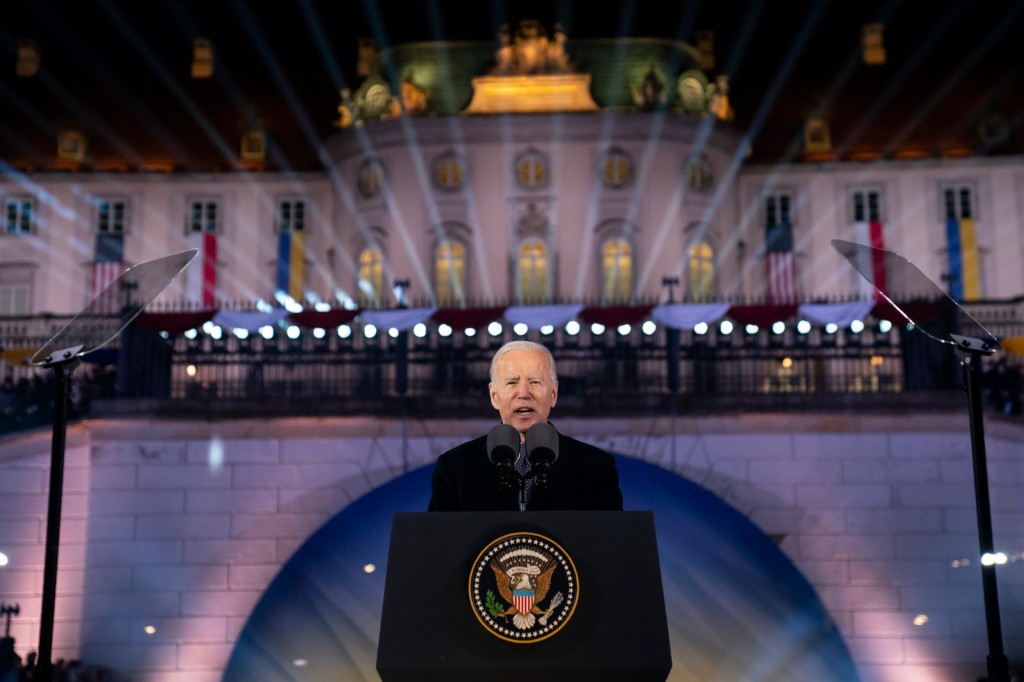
(346, 370)
(594, 369)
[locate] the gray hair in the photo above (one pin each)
(524, 345)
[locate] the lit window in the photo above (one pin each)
(450, 266)
(254, 143)
(817, 135)
(202, 58)
(371, 277)
(532, 170)
(448, 173)
(873, 43)
(702, 272)
(617, 267)
(616, 169)
(70, 145)
(533, 272)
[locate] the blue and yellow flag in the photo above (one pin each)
(290, 262)
(963, 271)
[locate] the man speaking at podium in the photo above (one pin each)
(523, 463)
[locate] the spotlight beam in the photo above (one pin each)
(955, 79)
(906, 72)
(151, 60)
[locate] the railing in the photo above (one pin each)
(594, 370)
(642, 370)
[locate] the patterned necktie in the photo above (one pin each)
(523, 466)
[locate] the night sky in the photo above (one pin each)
(121, 68)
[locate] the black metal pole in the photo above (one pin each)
(672, 358)
(402, 387)
(998, 664)
(521, 494)
(402, 372)
(62, 391)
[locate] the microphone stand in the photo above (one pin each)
(539, 475)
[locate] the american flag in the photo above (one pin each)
(108, 264)
(781, 268)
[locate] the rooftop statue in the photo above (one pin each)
(531, 51)
(532, 73)
(719, 105)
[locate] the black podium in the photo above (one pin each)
(613, 626)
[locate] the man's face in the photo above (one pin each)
(522, 391)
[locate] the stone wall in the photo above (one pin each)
(182, 525)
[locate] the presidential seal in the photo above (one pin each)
(523, 588)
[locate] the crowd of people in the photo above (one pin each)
(63, 671)
(27, 402)
(1003, 386)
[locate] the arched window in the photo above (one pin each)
(532, 170)
(449, 173)
(533, 272)
(702, 273)
(617, 270)
(450, 273)
(616, 169)
(371, 277)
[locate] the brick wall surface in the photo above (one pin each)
(182, 525)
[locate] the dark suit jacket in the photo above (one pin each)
(582, 478)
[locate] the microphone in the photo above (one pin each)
(542, 449)
(502, 450)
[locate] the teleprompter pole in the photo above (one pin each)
(969, 351)
(63, 364)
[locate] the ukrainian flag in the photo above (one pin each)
(964, 273)
(290, 262)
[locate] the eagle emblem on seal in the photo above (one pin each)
(524, 587)
(524, 578)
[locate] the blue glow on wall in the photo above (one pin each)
(738, 609)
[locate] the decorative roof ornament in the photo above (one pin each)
(531, 51)
(718, 102)
(692, 88)
(346, 110)
(375, 101)
(414, 97)
(650, 92)
(532, 74)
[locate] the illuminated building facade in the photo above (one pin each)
(541, 170)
